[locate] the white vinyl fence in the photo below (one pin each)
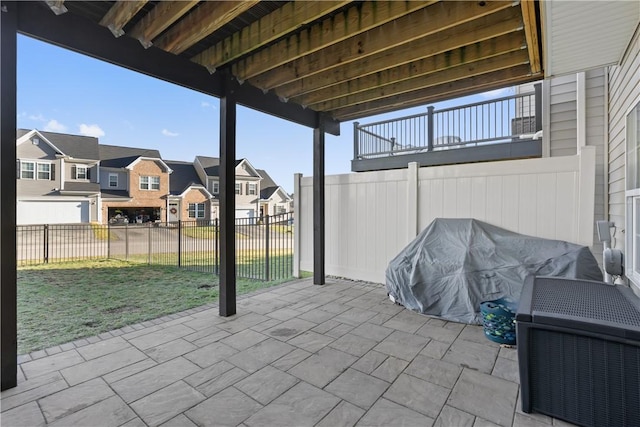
(371, 216)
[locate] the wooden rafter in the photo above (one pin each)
(468, 86)
(281, 22)
(159, 19)
(531, 31)
(121, 13)
(437, 17)
(333, 81)
(434, 70)
(342, 26)
(203, 21)
(57, 6)
(459, 72)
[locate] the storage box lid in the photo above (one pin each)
(580, 304)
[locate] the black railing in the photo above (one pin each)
(507, 119)
(264, 246)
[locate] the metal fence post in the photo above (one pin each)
(266, 248)
(149, 244)
(356, 143)
(430, 128)
(108, 240)
(126, 241)
(45, 253)
(538, 105)
(216, 247)
(179, 243)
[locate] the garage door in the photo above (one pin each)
(65, 212)
(244, 213)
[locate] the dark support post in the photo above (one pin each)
(227, 196)
(318, 202)
(45, 245)
(266, 247)
(538, 95)
(430, 128)
(8, 275)
(356, 143)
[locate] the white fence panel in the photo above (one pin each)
(371, 216)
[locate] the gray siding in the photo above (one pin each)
(28, 150)
(624, 92)
(562, 126)
(27, 188)
(123, 181)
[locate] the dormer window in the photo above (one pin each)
(81, 172)
(35, 140)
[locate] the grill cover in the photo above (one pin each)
(456, 264)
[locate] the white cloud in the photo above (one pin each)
(37, 117)
(91, 130)
(55, 126)
(207, 104)
(505, 91)
(167, 132)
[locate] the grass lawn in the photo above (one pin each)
(58, 303)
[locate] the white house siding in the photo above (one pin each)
(371, 216)
(624, 92)
(562, 107)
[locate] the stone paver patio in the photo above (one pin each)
(295, 355)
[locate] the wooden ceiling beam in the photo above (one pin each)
(531, 31)
(420, 82)
(499, 26)
(121, 13)
(349, 23)
(468, 86)
(207, 18)
(159, 19)
(57, 6)
(281, 22)
(437, 17)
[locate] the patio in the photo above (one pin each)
(296, 354)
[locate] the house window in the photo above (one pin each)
(633, 193)
(196, 210)
(27, 170)
(238, 188)
(149, 182)
(252, 189)
(81, 172)
(113, 180)
(216, 187)
(279, 209)
(44, 171)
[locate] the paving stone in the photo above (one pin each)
(210, 354)
(450, 416)
(541, 418)
(28, 415)
(136, 422)
(521, 420)
(303, 405)
(244, 339)
(266, 384)
(291, 359)
(289, 329)
(472, 355)
(166, 403)
(81, 342)
(343, 415)
(475, 333)
(310, 341)
(227, 408)
(102, 365)
(371, 331)
(170, 350)
(435, 349)
(73, 399)
(453, 326)
(510, 353)
(205, 323)
(101, 348)
(153, 379)
(380, 318)
(390, 369)
(284, 314)
(480, 422)
(339, 330)
(317, 316)
(406, 321)
(260, 355)
(206, 337)
(221, 382)
(162, 336)
(402, 345)
(385, 413)
(139, 330)
(127, 371)
(358, 388)
(267, 324)
(53, 350)
(31, 384)
(369, 362)
(208, 373)
(111, 412)
(51, 363)
(434, 370)
(33, 393)
(325, 326)
(23, 358)
(485, 396)
(39, 354)
(438, 333)
(354, 344)
(240, 323)
(322, 368)
(105, 335)
(506, 369)
(355, 316)
(335, 308)
(419, 395)
(179, 421)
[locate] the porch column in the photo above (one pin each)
(227, 300)
(318, 202)
(8, 276)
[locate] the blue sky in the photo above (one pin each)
(61, 91)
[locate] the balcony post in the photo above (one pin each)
(430, 128)
(356, 142)
(538, 102)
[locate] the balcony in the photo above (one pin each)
(500, 129)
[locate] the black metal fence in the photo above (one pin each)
(264, 246)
